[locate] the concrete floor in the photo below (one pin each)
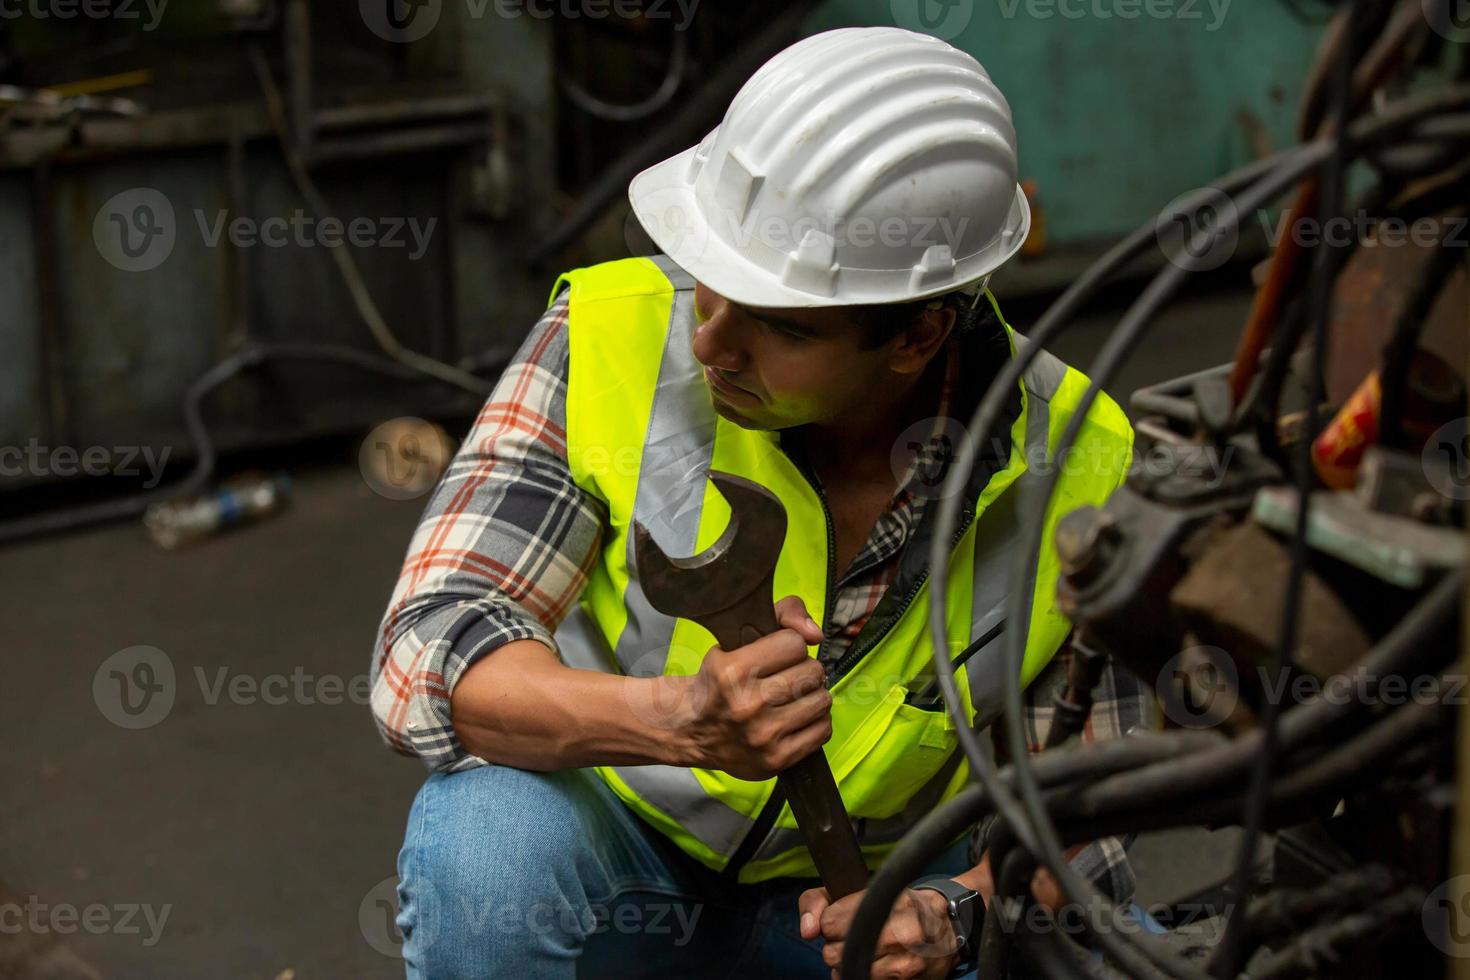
(269, 830)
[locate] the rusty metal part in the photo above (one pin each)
(1232, 598)
(1391, 481)
(1374, 288)
(727, 589)
(1383, 57)
(1120, 563)
(1399, 550)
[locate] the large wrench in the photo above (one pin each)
(728, 590)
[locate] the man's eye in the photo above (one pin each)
(783, 331)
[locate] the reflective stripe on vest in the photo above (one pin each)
(636, 392)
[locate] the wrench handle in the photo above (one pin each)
(812, 792)
(809, 785)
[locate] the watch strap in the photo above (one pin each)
(962, 902)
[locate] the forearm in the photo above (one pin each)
(1044, 885)
(520, 706)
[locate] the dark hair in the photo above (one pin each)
(882, 323)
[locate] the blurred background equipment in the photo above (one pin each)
(504, 133)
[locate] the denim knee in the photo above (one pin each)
(497, 874)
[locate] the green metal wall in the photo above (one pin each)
(1117, 116)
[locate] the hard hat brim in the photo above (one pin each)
(664, 203)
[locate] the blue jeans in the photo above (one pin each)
(548, 876)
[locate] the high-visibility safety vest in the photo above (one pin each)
(642, 431)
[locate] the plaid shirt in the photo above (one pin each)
(503, 550)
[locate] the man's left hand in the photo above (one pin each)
(916, 941)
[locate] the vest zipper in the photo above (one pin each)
(850, 659)
(766, 818)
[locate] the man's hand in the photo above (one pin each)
(758, 709)
(916, 941)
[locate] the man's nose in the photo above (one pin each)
(717, 343)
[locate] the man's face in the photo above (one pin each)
(778, 368)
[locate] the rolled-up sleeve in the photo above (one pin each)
(501, 553)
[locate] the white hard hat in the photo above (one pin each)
(858, 166)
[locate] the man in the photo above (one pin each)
(603, 786)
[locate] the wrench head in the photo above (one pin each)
(737, 563)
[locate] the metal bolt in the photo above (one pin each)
(1085, 539)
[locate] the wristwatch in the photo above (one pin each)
(966, 915)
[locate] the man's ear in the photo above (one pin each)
(916, 345)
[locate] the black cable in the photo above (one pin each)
(1406, 649)
(672, 81)
(1261, 405)
(890, 879)
(927, 694)
(1103, 809)
(1404, 341)
(943, 824)
(1052, 954)
(986, 414)
(1072, 704)
(1134, 953)
(1094, 811)
(1127, 949)
(204, 458)
(1126, 336)
(1229, 954)
(1287, 912)
(1007, 910)
(1318, 952)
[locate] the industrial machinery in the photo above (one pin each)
(1295, 606)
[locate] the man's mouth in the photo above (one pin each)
(723, 387)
